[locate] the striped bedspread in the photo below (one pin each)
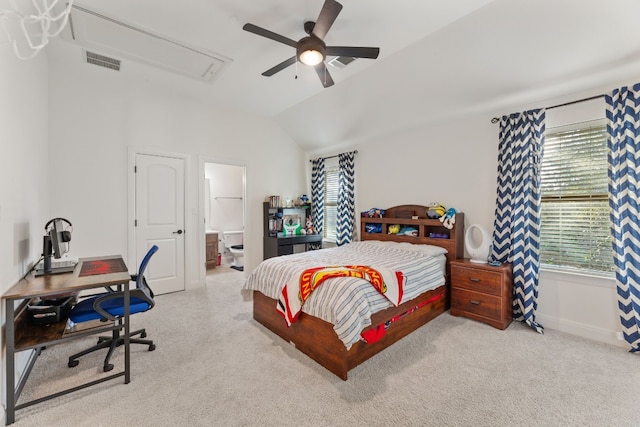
(349, 302)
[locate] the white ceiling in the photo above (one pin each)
(437, 57)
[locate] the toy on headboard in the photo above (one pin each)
(373, 228)
(436, 210)
(373, 213)
(449, 218)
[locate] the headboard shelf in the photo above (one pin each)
(402, 216)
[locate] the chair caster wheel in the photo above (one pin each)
(152, 347)
(73, 363)
(107, 368)
(143, 335)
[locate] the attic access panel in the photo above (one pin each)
(104, 34)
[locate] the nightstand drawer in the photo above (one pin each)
(477, 280)
(476, 303)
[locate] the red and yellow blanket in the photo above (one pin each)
(388, 283)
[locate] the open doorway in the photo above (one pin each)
(224, 217)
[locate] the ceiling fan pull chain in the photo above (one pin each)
(296, 78)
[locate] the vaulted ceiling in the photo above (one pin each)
(437, 57)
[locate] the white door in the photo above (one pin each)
(159, 220)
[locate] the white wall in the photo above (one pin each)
(23, 170)
(455, 163)
(23, 164)
(226, 206)
(97, 115)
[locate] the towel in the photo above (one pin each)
(389, 283)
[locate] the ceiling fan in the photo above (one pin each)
(311, 50)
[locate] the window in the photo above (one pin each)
(331, 177)
(575, 228)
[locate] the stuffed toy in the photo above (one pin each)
(372, 213)
(408, 231)
(435, 210)
(308, 227)
(394, 229)
(449, 218)
(373, 228)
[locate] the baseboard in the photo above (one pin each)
(580, 329)
(3, 416)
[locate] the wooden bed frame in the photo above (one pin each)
(317, 339)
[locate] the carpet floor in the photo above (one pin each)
(215, 366)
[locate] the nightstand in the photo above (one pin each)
(482, 292)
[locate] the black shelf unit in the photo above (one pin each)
(275, 243)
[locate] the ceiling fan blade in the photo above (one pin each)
(281, 66)
(324, 75)
(270, 35)
(330, 11)
(356, 52)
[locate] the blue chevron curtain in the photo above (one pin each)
(623, 127)
(346, 199)
(317, 194)
(516, 231)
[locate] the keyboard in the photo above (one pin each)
(59, 263)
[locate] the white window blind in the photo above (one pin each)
(332, 175)
(575, 227)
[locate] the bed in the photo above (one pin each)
(341, 311)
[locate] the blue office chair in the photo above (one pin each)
(109, 306)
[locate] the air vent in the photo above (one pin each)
(98, 32)
(341, 61)
(102, 61)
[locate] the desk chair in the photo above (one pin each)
(109, 306)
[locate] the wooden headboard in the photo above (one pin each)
(402, 215)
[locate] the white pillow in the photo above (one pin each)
(430, 250)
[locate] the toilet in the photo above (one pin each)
(233, 242)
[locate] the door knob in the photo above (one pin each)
(177, 232)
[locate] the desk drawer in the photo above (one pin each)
(477, 280)
(476, 303)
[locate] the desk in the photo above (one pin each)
(20, 335)
(283, 245)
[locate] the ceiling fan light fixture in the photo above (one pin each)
(311, 57)
(311, 51)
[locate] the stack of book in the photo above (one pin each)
(274, 201)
